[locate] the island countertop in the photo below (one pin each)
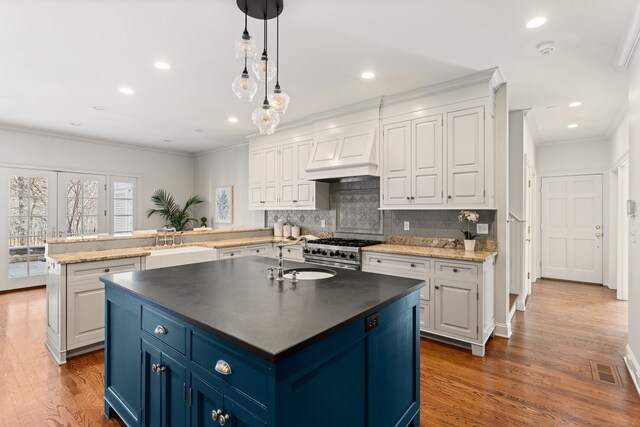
(234, 300)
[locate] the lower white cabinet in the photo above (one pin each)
(75, 304)
(263, 249)
(457, 302)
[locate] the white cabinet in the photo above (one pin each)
(263, 178)
(465, 157)
(277, 178)
(456, 304)
(435, 161)
(263, 249)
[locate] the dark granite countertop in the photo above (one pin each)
(234, 300)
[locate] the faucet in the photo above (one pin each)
(280, 275)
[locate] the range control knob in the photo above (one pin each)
(352, 256)
(324, 252)
(343, 255)
(332, 254)
(306, 251)
(313, 252)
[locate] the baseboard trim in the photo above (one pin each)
(521, 303)
(633, 366)
(503, 330)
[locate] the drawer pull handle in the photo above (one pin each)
(455, 270)
(289, 250)
(158, 369)
(160, 330)
(223, 367)
(378, 261)
(215, 414)
(106, 270)
(413, 265)
(437, 287)
(231, 254)
(222, 419)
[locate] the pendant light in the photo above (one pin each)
(243, 85)
(279, 100)
(265, 116)
(245, 45)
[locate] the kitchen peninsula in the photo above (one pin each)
(221, 342)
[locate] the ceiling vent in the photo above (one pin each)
(546, 48)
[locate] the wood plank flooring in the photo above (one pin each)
(540, 377)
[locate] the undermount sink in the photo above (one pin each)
(169, 257)
(310, 273)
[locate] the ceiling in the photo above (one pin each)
(60, 58)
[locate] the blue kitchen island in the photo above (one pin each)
(218, 343)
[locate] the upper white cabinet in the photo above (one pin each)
(276, 177)
(435, 160)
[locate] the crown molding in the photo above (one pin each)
(89, 140)
(226, 147)
(492, 76)
(572, 141)
(617, 118)
(629, 41)
(358, 107)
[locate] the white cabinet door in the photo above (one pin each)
(306, 189)
(456, 308)
(572, 228)
(256, 177)
(271, 177)
(465, 156)
(396, 146)
(288, 175)
(427, 161)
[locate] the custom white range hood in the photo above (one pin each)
(345, 146)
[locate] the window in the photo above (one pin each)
(82, 207)
(123, 205)
(28, 218)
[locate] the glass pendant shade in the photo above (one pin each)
(244, 86)
(246, 46)
(266, 118)
(259, 68)
(279, 100)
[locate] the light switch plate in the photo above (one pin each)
(406, 226)
(482, 228)
(323, 223)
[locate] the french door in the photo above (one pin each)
(572, 228)
(28, 204)
(36, 205)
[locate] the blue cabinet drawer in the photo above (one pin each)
(165, 329)
(247, 377)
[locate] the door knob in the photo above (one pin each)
(449, 196)
(597, 227)
(598, 234)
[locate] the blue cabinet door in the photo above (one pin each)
(206, 401)
(151, 385)
(174, 392)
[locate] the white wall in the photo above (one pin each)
(634, 194)
(227, 167)
(574, 156)
(173, 172)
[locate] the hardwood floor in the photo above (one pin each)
(540, 377)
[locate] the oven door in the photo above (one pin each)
(330, 263)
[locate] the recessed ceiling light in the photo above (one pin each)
(368, 75)
(98, 108)
(537, 22)
(162, 65)
(232, 119)
(75, 124)
(166, 140)
(573, 126)
(575, 104)
(127, 90)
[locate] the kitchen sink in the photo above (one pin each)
(310, 273)
(169, 257)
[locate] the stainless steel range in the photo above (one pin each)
(343, 253)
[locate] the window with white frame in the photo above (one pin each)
(123, 204)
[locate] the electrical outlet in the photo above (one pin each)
(406, 226)
(482, 228)
(323, 223)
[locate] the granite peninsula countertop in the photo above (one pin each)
(433, 252)
(270, 320)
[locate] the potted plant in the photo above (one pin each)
(176, 216)
(471, 218)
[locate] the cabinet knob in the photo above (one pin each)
(257, 251)
(222, 419)
(223, 367)
(437, 287)
(378, 261)
(106, 270)
(295, 201)
(413, 265)
(158, 369)
(455, 270)
(408, 198)
(215, 414)
(160, 330)
(449, 196)
(412, 198)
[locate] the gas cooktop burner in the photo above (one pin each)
(351, 243)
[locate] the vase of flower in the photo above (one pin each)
(471, 218)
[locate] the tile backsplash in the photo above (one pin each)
(354, 213)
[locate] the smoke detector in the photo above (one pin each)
(546, 48)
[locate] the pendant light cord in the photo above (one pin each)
(278, 47)
(266, 61)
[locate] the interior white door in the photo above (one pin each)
(427, 160)
(572, 228)
(82, 204)
(528, 226)
(396, 178)
(28, 204)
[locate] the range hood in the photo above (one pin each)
(344, 153)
